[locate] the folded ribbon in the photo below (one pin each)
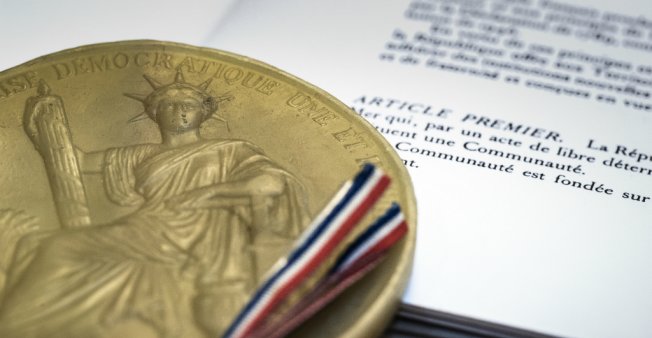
(316, 248)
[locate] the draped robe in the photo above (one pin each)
(159, 264)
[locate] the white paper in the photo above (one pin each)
(33, 28)
(494, 245)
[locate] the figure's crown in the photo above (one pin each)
(178, 83)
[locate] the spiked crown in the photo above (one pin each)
(200, 92)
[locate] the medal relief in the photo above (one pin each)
(183, 263)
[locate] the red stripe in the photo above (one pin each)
(326, 291)
(382, 245)
(316, 301)
(328, 247)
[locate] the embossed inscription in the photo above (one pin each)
(91, 64)
(342, 131)
(350, 139)
(247, 79)
(230, 74)
(18, 83)
(312, 108)
(145, 59)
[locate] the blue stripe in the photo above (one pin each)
(361, 240)
(358, 182)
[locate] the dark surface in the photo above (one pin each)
(412, 321)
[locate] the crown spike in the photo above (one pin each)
(137, 97)
(218, 118)
(139, 117)
(225, 97)
(204, 85)
(153, 83)
(179, 77)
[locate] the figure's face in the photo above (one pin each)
(179, 113)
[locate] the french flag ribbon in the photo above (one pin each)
(377, 238)
(360, 257)
(324, 234)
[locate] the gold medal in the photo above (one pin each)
(148, 187)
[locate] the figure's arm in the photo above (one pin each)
(236, 192)
(265, 184)
(90, 162)
(261, 185)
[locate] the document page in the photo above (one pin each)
(526, 126)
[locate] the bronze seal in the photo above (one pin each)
(149, 185)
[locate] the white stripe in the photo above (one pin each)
(344, 214)
(386, 229)
(262, 302)
(317, 245)
(353, 204)
(324, 213)
(312, 227)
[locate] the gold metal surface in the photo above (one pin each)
(147, 186)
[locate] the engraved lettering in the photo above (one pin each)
(251, 80)
(17, 84)
(80, 66)
(142, 59)
(350, 138)
(188, 65)
(205, 66)
(262, 85)
(121, 60)
(298, 100)
(219, 71)
(20, 83)
(305, 104)
(94, 64)
(101, 65)
(232, 75)
(323, 119)
(163, 60)
(267, 87)
(201, 66)
(62, 70)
